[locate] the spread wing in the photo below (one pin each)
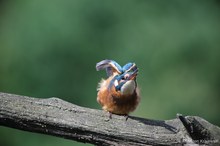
(129, 67)
(110, 66)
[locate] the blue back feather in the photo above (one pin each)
(110, 66)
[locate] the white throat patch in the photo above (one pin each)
(128, 87)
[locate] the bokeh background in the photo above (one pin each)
(50, 48)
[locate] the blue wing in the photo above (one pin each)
(110, 66)
(129, 67)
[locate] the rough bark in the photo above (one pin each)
(54, 116)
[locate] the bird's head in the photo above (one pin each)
(124, 78)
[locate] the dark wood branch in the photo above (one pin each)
(54, 116)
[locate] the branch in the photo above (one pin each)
(56, 117)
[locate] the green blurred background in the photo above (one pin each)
(50, 48)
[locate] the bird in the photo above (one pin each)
(118, 93)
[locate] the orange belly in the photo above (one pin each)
(112, 100)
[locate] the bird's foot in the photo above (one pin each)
(126, 117)
(109, 116)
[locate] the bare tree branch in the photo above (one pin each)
(56, 117)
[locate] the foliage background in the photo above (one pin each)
(50, 48)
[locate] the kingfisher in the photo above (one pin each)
(118, 94)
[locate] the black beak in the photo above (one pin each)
(133, 75)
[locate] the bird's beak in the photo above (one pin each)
(133, 75)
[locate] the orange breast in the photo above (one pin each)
(112, 100)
